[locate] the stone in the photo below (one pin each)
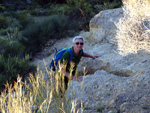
(102, 25)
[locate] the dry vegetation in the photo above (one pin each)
(38, 95)
(133, 32)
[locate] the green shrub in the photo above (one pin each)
(2, 8)
(14, 48)
(54, 9)
(17, 19)
(12, 66)
(10, 32)
(11, 48)
(36, 35)
(59, 9)
(15, 4)
(3, 31)
(9, 14)
(100, 109)
(3, 22)
(35, 13)
(24, 19)
(45, 2)
(108, 5)
(80, 8)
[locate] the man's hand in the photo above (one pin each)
(96, 56)
(80, 78)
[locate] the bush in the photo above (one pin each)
(3, 22)
(12, 66)
(16, 19)
(12, 61)
(80, 9)
(36, 35)
(108, 5)
(133, 28)
(59, 9)
(24, 19)
(44, 2)
(14, 48)
(3, 31)
(2, 8)
(11, 48)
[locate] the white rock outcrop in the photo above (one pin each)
(113, 82)
(102, 26)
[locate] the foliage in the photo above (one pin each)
(44, 2)
(108, 5)
(38, 95)
(11, 47)
(23, 18)
(13, 60)
(133, 28)
(59, 9)
(80, 9)
(18, 19)
(2, 8)
(12, 66)
(15, 4)
(38, 12)
(36, 35)
(3, 22)
(100, 109)
(14, 48)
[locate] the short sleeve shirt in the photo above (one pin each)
(74, 62)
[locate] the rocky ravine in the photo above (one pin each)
(113, 83)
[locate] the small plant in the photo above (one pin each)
(80, 9)
(133, 28)
(14, 48)
(3, 22)
(59, 9)
(24, 19)
(100, 109)
(145, 107)
(2, 8)
(108, 5)
(10, 47)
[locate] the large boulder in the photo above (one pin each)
(113, 83)
(102, 26)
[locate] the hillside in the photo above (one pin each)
(114, 82)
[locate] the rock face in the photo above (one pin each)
(113, 83)
(102, 25)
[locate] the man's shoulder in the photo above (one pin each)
(66, 54)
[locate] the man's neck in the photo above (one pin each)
(76, 51)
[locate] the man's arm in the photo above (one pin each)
(62, 70)
(90, 56)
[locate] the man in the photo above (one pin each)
(70, 68)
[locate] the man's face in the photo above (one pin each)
(78, 45)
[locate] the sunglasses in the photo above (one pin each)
(81, 43)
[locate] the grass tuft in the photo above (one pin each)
(37, 94)
(133, 32)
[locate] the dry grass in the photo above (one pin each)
(37, 96)
(133, 32)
